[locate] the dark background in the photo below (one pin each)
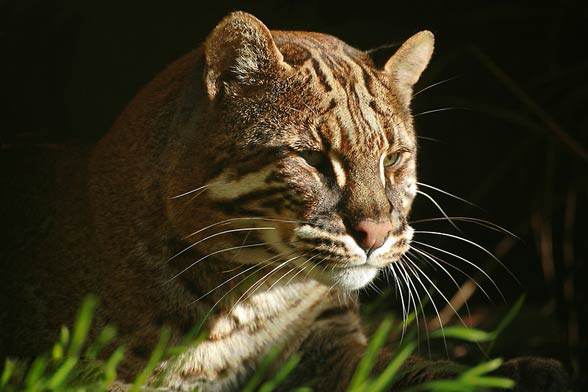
(513, 139)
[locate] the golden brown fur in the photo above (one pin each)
(241, 185)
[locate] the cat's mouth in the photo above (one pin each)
(338, 261)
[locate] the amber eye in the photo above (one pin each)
(391, 160)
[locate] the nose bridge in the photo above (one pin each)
(365, 195)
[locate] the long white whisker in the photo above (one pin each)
(423, 313)
(242, 243)
(192, 191)
(447, 193)
(438, 290)
(464, 260)
(258, 265)
(409, 281)
(481, 222)
(399, 285)
(415, 274)
(410, 298)
(212, 254)
(440, 260)
(438, 110)
(376, 288)
(457, 286)
(231, 220)
(260, 283)
(287, 273)
(429, 138)
(447, 301)
(302, 268)
(216, 235)
(316, 264)
(261, 265)
(439, 208)
(433, 85)
(473, 244)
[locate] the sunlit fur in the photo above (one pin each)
(300, 126)
(228, 199)
(329, 98)
(225, 197)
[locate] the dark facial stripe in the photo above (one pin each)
(321, 76)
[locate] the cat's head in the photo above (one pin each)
(313, 146)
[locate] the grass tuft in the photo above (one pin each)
(69, 367)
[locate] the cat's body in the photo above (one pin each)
(256, 182)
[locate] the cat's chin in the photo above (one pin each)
(350, 278)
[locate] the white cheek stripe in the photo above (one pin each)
(340, 175)
(382, 175)
(230, 189)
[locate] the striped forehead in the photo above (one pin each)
(349, 89)
(355, 104)
(355, 115)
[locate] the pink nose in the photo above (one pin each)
(371, 235)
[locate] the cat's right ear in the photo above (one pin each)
(240, 50)
(408, 63)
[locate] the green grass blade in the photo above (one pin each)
(60, 376)
(192, 339)
(261, 370)
(281, 375)
(463, 333)
(156, 356)
(506, 320)
(407, 322)
(59, 348)
(483, 368)
(111, 365)
(385, 379)
(6, 373)
(512, 313)
(64, 336)
(367, 361)
(491, 382)
(82, 326)
(443, 386)
(35, 373)
(57, 352)
(105, 337)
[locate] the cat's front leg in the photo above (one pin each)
(530, 374)
(330, 353)
(535, 374)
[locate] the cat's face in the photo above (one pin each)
(318, 147)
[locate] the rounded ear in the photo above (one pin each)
(241, 49)
(408, 63)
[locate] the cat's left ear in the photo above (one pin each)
(241, 51)
(408, 63)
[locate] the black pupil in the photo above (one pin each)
(392, 159)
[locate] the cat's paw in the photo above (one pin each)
(534, 374)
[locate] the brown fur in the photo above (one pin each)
(287, 131)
